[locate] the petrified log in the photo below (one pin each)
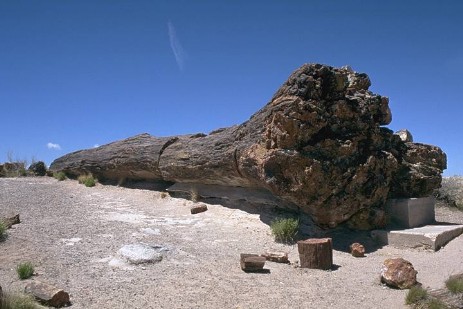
(47, 294)
(318, 145)
(252, 262)
(316, 253)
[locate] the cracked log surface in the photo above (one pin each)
(319, 145)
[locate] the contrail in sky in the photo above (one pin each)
(177, 48)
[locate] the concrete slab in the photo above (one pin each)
(411, 212)
(430, 237)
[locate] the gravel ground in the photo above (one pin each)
(72, 235)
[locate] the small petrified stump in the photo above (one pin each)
(276, 256)
(252, 262)
(198, 208)
(398, 273)
(357, 250)
(316, 253)
(47, 294)
(10, 221)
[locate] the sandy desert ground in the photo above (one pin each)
(72, 234)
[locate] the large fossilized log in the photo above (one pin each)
(318, 144)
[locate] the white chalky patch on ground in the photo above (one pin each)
(150, 231)
(174, 221)
(142, 253)
(115, 262)
(125, 217)
(70, 241)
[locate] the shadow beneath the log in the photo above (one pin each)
(335, 267)
(260, 271)
(343, 237)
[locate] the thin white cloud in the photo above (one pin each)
(53, 146)
(96, 146)
(177, 49)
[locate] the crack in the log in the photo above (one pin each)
(235, 157)
(164, 147)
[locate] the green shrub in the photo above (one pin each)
(435, 304)
(285, 230)
(2, 230)
(87, 180)
(455, 284)
(25, 270)
(18, 301)
(60, 176)
(415, 295)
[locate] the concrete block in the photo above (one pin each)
(411, 212)
(430, 237)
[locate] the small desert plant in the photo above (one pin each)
(18, 301)
(60, 176)
(87, 180)
(416, 295)
(455, 284)
(164, 194)
(435, 304)
(194, 195)
(2, 230)
(285, 230)
(25, 270)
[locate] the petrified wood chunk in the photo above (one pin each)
(47, 294)
(398, 273)
(252, 262)
(319, 145)
(316, 253)
(196, 209)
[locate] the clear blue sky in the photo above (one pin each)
(79, 73)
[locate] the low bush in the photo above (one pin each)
(451, 192)
(416, 295)
(2, 230)
(285, 230)
(435, 304)
(60, 176)
(455, 284)
(18, 301)
(25, 270)
(87, 180)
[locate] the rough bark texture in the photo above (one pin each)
(47, 294)
(316, 253)
(319, 145)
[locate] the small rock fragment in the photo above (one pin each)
(398, 273)
(252, 262)
(276, 256)
(357, 250)
(198, 208)
(47, 294)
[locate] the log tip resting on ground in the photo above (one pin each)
(320, 145)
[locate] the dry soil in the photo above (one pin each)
(72, 234)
